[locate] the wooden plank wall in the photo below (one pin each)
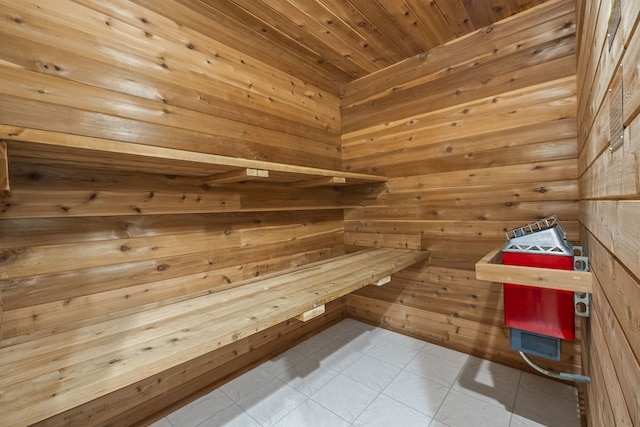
(154, 79)
(478, 136)
(610, 210)
(78, 246)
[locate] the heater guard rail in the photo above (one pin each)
(490, 268)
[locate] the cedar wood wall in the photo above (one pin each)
(491, 118)
(610, 211)
(80, 246)
(478, 137)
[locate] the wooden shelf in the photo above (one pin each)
(490, 268)
(52, 148)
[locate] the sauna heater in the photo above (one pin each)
(539, 318)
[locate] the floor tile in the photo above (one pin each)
(239, 387)
(493, 369)
(430, 365)
(387, 412)
(163, 422)
(538, 384)
(282, 362)
(406, 341)
(372, 372)
(345, 397)
(232, 416)
(360, 343)
(271, 402)
(490, 382)
(543, 401)
(446, 353)
(335, 356)
(461, 410)
(392, 353)
(311, 414)
(349, 330)
(341, 328)
(313, 344)
(386, 379)
(518, 421)
(417, 392)
(308, 376)
(199, 410)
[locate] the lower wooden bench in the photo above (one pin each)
(49, 375)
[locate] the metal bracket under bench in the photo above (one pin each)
(53, 374)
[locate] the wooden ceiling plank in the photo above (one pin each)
(456, 15)
(366, 28)
(229, 32)
(339, 23)
(269, 23)
(385, 24)
(421, 68)
(430, 16)
(328, 43)
(321, 42)
(402, 13)
(325, 43)
(320, 23)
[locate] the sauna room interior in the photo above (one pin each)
(195, 192)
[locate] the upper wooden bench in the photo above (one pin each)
(53, 148)
(49, 375)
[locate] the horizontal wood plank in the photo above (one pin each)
(60, 144)
(147, 351)
(490, 268)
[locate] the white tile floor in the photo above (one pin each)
(354, 374)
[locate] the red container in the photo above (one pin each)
(543, 311)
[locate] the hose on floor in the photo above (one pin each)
(559, 375)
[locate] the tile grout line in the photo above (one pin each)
(345, 337)
(515, 399)
(435, 414)
(234, 403)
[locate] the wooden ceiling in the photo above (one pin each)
(328, 43)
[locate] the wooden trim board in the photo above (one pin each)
(490, 268)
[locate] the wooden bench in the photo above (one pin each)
(49, 375)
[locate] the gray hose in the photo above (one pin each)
(559, 375)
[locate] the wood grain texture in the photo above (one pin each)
(149, 88)
(328, 42)
(114, 111)
(145, 401)
(149, 347)
(490, 268)
(608, 212)
(477, 135)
